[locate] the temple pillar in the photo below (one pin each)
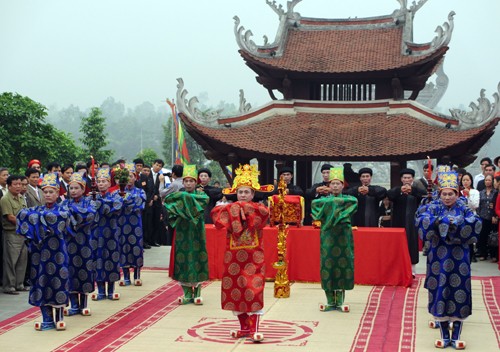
(303, 178)
(396, 167)
(266, 168)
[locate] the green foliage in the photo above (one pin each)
(25, 134)
(94, 139)
(122, 175)
(167, 142)
(148, 155)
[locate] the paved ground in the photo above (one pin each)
(159, 257)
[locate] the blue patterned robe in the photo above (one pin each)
(132, 254)
(108, 234)
(448, 278)
(83, 246)
(47, 230)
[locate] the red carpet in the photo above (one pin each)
(387, 323)
(491, 289)
(123, 326)
(19, 319)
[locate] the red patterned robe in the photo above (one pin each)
(243, 279)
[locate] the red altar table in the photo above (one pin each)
(380, 255)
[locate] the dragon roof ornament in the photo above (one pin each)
(190, 108)
(403, 16)
(406, 16)
(481, 113)
(443, 36)
(243, 37)
(244, 106)
(413, 8)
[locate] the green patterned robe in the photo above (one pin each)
(336, 242)
(186, 215)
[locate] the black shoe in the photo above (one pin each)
(146, 246)
(474, 260)
(155, 245)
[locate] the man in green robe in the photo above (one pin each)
(186, 214)
(336, 242)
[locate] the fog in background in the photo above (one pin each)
(61, 52)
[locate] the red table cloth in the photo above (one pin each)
(381, 255)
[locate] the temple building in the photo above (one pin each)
(353, 90)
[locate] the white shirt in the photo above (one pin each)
(473, 200)
(36, 191)
(477, 178)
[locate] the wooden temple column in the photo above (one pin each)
(303, 175)
(396, 167)
(303, 178)
(266, 168)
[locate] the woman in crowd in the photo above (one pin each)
(384, 213)
(472, 198)
(486, 211)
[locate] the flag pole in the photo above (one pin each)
(174, 130)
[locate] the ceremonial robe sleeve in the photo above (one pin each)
(457, 226)
(334, 210)
(186, 206)
(378, 192)
(394, 193)
(28, 225)
(229, 217)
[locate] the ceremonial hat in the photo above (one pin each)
(50, 180)
(204, 170)
(76, 177)
(248, 176)
(190, 172)
(443, 168)
(365, 170)
(104, 173)
(337, 173)
(34, 161)
(448, 180)
(407, 172)
(286, 169)
(326, 167)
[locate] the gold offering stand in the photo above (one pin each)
(281, 283)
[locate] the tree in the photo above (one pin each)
(26, 135)
(167, 142)
(94, 139)
(148, 155)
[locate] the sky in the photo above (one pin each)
(80, 52)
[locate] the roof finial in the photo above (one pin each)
(414, 7)
(443, 36)
(278, 9)
(190, 108)
(244, 106)
(243, 37)
(291, 4)
(481, 113)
